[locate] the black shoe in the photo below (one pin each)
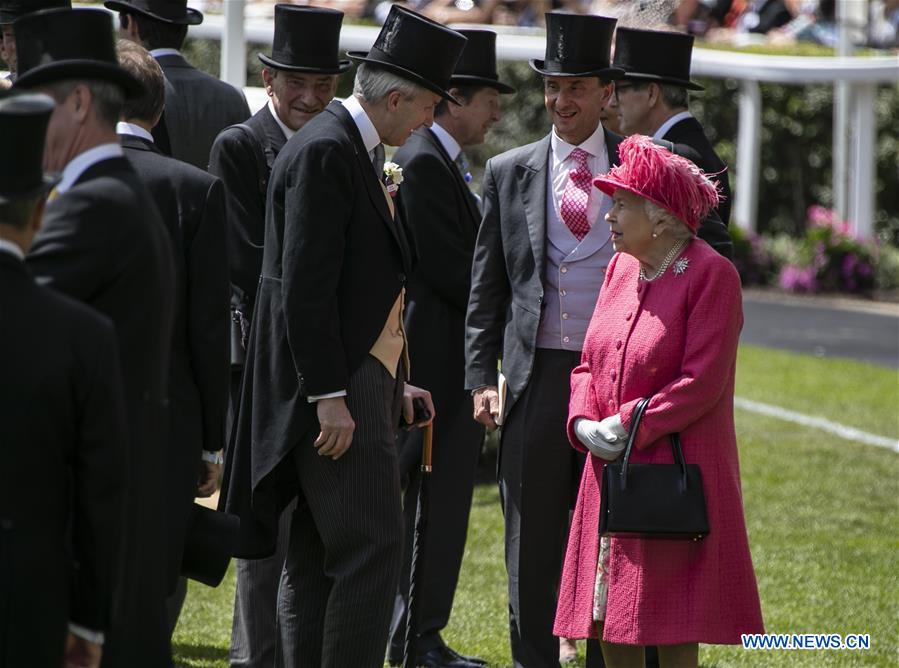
(442, 657)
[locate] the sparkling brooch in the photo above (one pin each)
(681, 265)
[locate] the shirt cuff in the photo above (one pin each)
(329, 395)
(95, 637)
(213, 457)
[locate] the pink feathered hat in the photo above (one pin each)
(655, 173)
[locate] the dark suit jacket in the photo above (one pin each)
(507, 273)
(104, 244)
(688, 134)
(333, 266)
(444, 218)
(234, 159)
(197, 107)
(62, 477)
(192, 205)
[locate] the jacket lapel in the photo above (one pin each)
(457, 175)
(372, 185)
(612, 141)
(533, 185)
(272, 131)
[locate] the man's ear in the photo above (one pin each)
(394, 98)
(82, 101)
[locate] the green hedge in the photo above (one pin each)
(797, 131)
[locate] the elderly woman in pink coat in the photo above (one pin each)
(666, 326)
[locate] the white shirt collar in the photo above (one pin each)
(288, 133)
(157, 53)
(11, 248)
(670, 123)
(595, 145)
(450, 145)
(82, 162)
(123, 128)
(370, 136)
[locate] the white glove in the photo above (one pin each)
(605, 439)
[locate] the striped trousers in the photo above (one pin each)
(346, 538)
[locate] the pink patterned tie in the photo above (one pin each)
(576, 195)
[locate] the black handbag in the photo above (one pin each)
(652, 500)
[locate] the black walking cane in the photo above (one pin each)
(418, 549)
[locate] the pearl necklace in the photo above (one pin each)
(673, 253)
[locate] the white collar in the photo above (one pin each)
(595, 145)
(670, 123)
(450, 145)
(157, 53)
(11, 248)
(288, 133)
(123, 128)
(82, 162)
(370, 136)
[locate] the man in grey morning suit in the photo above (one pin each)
(197, 106)
(443, 214)
(300, 78)
(324, 380)
(540, 256)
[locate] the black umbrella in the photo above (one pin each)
(418, 549)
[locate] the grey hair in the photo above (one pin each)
(374, 83)
(674, 96)
(108, 98)
(657, 214)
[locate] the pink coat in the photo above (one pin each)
(674, 339)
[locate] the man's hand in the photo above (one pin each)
(486, 406)
(209, 478)
(337, 427)
(81, 653)
(410, 393)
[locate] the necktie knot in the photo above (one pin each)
(580, 156)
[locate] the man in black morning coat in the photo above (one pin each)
(103, 243)
(442, 212)
(197, 105)
(300, 78)
(326, 362)
(64, 437)
(652, 99)
(192, 206)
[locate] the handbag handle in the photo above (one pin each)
(674, 438)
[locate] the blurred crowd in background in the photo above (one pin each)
(875, 23)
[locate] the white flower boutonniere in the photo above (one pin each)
(393, 177)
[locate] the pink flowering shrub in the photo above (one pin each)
(830, 258)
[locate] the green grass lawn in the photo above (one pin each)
(821, 514)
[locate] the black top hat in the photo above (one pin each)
(416, 48)
(167, 11)
(655, 55)
(23, 126)
(10, 10)
(477, 64)
(578, 45)
(209, 544)
(307, 39)
(69, 44)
